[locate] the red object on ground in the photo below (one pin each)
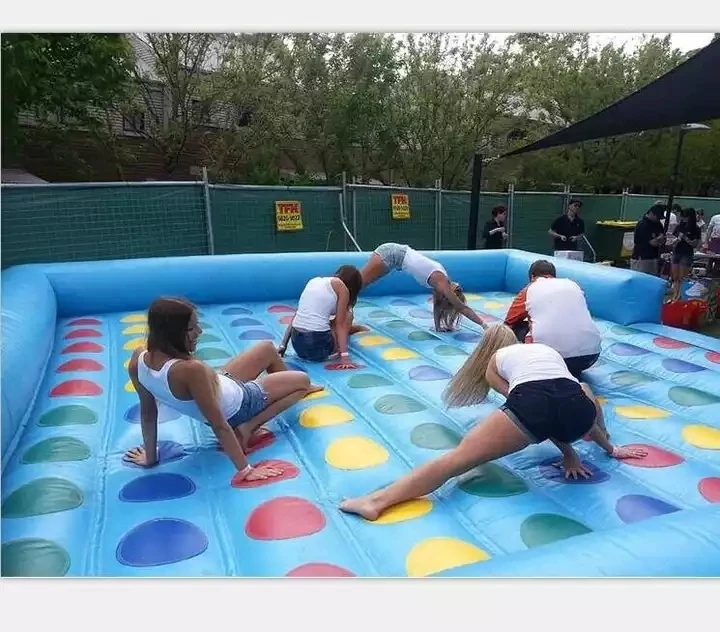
(683, 314)
(84, 321)
(284, 518)
(79, 364)
(338, 366)
(669, 343)
(319, 569)
(83, 347)
(289, 470)
(710, 489)
(75, 388)
(261, 439)
(83, 333)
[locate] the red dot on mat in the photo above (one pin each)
(286, 320)
(319, 569)
(261, 439)
(713, 356)
(84, 321)
(83, 347)
(289, 470)
(709, 488)
(75, 388)
(79, 364)
(669, 343)
(337, 366)
(656, 457)
(284, 518)
(82, 333)
(277, 309)
(488, 317)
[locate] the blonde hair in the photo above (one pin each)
(445, 312)
(469, 385)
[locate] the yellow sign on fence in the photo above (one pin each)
(400, 206)
(288, 216)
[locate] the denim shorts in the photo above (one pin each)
(578, 364)
(392, 255)
(314, 346)
(550, 409)
(255, 400)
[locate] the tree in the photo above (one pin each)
(64, 80)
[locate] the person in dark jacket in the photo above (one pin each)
(494, 232)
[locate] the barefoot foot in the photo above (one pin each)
(314, 388)
(363, 507)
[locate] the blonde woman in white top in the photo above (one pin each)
(543, 402)
(449, 301)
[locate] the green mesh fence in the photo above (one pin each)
(455, 215)
(46, 223)
(533, 213)
(637, 205)
(243, 219)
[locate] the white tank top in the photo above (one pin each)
(420, 267)
(318, 302)
(530, 362)
(230, 395)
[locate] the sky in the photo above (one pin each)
(684, 41)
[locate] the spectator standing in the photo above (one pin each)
(494, 231)
(567, 229)
(648, 238)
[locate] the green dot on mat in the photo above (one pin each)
(33, 557)
(42, 496)
(421, 335)
(432, 436)
(380, 313)
(619, 330)
(630, 378)
(68, 416)
(493, 481)
(57, 449)
(449, 350)
(542, 529)
(205, 338)
(368, 380)
(686, 396)
(211, 353)
(398, 404)
(397, 324)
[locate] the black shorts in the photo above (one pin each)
(683, 259)
(521, 330)
(579, 364)
(550, 409)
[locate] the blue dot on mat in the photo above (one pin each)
(161, 541)
(636, 507)
(255, 334)
(400, 302)
(168, 451)
(420, 313)
(155, 487)
(165, 414)
(624, 349)
(427, 373)
(557, 474)
(236, 310)
(466, 336)
(245, 322)
(680, 366)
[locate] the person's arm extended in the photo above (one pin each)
(552, 231)
(442, 285)
(202, 390)
(286, 337)
(496, 382)
(342, 317)
(148, 414)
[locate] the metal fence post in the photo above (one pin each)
(623, 202)
(344, 205)
(353, 195)
(208, 212)
(510, 221)
(438, 214)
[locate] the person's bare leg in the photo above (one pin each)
(373, 270)
(599, 415)
(495, 437)
(284, 390)
(249, 364)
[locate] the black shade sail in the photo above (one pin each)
(689, 93)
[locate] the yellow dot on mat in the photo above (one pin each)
(317, 395)
(135, 343)
(373, 341)
(439, 554)
(134, 318)
(702, 436)
(355, 453)
(474, 297)
(398, 353)
(324, 415)
(493, 305)
(602, 400)
(135, 329)
(129, 387)
(641, 411)
(408, 510)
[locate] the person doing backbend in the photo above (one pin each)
(543, 402)
(449, 300)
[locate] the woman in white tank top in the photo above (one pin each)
(543, 402)
(234, 402)
(323, 321)
(448, 298)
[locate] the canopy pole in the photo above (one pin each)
(673, 178)
(475, 202)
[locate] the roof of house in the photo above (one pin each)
(20, 176)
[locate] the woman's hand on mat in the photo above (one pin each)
(261, 473)
(621, 452)
(139, 457)
(574, 468)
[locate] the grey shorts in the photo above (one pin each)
(392, 255)
(255, 400)
(648, 266)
